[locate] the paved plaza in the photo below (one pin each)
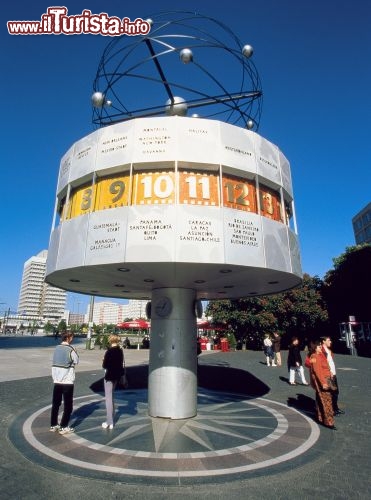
(254, 435)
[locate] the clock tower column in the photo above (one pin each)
(172, 383)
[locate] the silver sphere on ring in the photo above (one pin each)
(176, 108)
(186, 56)
(98, 99)
(250, 124)
(247, 51)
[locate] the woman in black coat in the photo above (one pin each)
(113, 364)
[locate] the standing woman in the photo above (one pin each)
(113, 364)
(319, 375)
(294, 362)
(268, 350)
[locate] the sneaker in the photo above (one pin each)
(273, 364)
(66, 430)
(55, 428)
(107, 426)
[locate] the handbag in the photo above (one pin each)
(124, 382)
(331, 384)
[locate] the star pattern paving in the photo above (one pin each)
(216, 423)
(230, 434)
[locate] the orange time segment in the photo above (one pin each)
(82, 201)
(239, 194)
(270, 204)
(112, 192)
(198, 189)
(154, 188)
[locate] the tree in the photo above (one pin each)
(62, 325)
(346, 287)
(48, 328)
(299, 312)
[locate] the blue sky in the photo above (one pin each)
(313, 57)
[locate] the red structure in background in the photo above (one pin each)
(206, 325)
(136, 324)
(224, 346)
(214, 333)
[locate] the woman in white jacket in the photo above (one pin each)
(268, 350)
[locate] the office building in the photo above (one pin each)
(362, 225)
(37, 299)
(114, 313)
(75, 319)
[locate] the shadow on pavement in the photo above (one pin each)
(217, 378)
(230, 380)
(303, 403)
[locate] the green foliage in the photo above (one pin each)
(231, 340)
(346, 287)
(49, 327)
(109, 328)
(300, 312)
(75, 328)
(62, 325)
(102, 341)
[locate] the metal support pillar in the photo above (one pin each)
(172, 384)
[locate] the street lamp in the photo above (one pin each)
(90, 326)
(3, 325)
(6, 319)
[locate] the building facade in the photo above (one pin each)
(362, 225)
(114, 313)
(37, 299)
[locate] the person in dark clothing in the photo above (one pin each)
(113, 364)
(294, 362)
(145, 342)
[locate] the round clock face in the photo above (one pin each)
(198, 309)
(163, 306)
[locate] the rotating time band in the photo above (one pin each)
(168, 188)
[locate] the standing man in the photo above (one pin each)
(63, 372)
(294, 362)
(326, 343)
(276, 341)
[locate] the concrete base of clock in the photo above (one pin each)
(172, 384)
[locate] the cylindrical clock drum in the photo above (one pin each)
(174, 210)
